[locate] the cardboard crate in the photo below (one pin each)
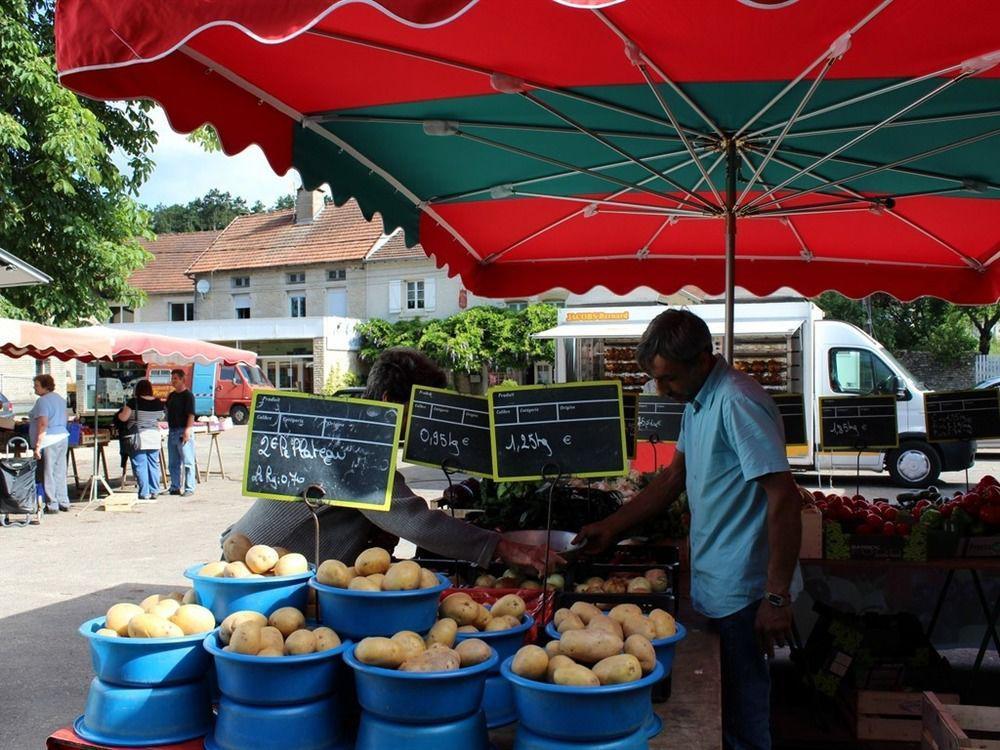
(950, 727)
(890, 716)
(811, 547)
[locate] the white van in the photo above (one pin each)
(788, 348)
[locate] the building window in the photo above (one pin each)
(242, 304)
(240, 282)
(557, 303)
(414, 295)
(517, 305)
(337, 274)
(299, 277)
(180, 311)
(121, 314)
(297, 305)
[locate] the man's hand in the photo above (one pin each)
(528, 556)
(37, 453)
(774, 627)
(187, 435)
(598, 537)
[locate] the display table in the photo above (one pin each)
(214, 446)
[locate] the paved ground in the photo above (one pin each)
(75, 565)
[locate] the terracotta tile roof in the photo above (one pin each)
(172, 254)
(394, 248)
(274, 239)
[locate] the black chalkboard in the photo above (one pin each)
(793, 417)
(858, 423)
(962, 415)
(630, 404)
(346, 446)
(578, 428)
(659, 419)
(445, 426)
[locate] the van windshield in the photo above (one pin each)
(253, 375)
(886, 354)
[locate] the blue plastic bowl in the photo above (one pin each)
(568, 712)
(526, 740)
(276, 681)
(504, 642)
(470, 733)
(307, 726)
(498, 698)
(420, 697)
(358, 614)
(227, 595)
(664, 647)
(143, 716)
(145, 662)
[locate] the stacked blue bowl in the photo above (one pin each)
(498, 697)
(291, 702)
(146, 691)
(227, 595)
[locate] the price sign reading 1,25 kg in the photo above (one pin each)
(448, 429)
(577, 427)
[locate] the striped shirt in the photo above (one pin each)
(346, 532)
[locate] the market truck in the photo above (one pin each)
(788, 347)
(217, 389)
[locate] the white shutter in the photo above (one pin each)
(395, 300)
(429, 295)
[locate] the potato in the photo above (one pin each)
(530, 662)
(589, 646)
(555, 662)
(151, 601)
(287, 620)
(594, 581)
(352, 572)
(575, 674)
(643, 650)
(606, 624)
(570, 622)
(468, 629)
(326, 639)
(191, 597)
(640, 625)
(236, 570)
(614, 586)
(444, 660)
(107, 632)
(507, 583)
(511, 604)
(271, 638)
(460, 608)
(485, 581)
(615, 670)
(300, 642)
(360, 583)
(291, 564)
(403, 576)
(333, 573)
(556, 581)
(235, 619)
(506, 622)
(213, 569)
(410, 643)
(261, 558)
(246, 638)
(118, 617)
(379, 652)
(531, 585)
(443, 632)
(560, 615)
(193, 618)
(177, 596)
(552, 648)
(664, 623)
(594, 588)
(281, 551)
(166, 608)
(376, 579)
(270, 652)
(621, 611)
(235, 547)
(152, 626)
(483, 617)
(372, 560)
(585, 610)
(640, 586)
(428, 579)
(657, 578)
(473, 651)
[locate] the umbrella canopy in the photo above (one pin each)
(848, 145)
(151, 348)
(20, 338)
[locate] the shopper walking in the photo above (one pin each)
(144, 413)
(180, 440)
(50, 442)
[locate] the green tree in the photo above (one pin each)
(65, 207)
(284, 202)
(214, 210)
(984, 319)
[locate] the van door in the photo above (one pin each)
(203, 388)
(229, 389)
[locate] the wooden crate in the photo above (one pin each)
(891, 716)
(118, 502)
(948, 727)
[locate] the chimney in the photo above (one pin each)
(308, 204)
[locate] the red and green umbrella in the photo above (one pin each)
(848, 144)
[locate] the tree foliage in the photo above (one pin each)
(65, 206)
(214, 210)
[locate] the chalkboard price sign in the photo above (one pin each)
(659, 419)
(346, 446)
(962, 415)
(577, 427)
(793, 417)
(630, 404)
(445, 427)
(858, 423)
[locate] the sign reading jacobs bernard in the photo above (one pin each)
(578, 427)
(346, 446)
(448, 428)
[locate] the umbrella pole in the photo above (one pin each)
(732, 164)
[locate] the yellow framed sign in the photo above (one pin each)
(447, 429)
(858, 423)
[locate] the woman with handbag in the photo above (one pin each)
(141, 435)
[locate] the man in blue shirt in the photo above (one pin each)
(745, 523)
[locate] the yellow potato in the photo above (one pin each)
(212, 569)
(372, 560)
(641, 648)
(511, 604)
(428, 579)
(151, 601)
(594, 581)
(552, 648)
(531, 585)
(193, 618)
(585, 610)
(271, 638)
(530, 662)
(118, 617)
(107, 632)
(191, 597)
(410, 643)
(606, 624)
(664, 623)
(166, 608)
(360, 583)
(333, 573)
(657, 578)
(575, 674)
(504, 622)
(261, 558)
(570, 622)
(236, 570)
(326, 639)
(444, 660)
(352, 572)
(473, 651)
(443, 632)
(237, 618)
(403, 576)
(300, 642)
(615, 670)
(560, 615)
(177, 596)
(376, 579)
(379, 652)
(640, 586)
(468, 629)
(640, 625)
(152, 626)
(483, 617)
(291, 564)
(460, 608)
(614, 586)
(287, 620)
(246, 638)
(507, 583)
(589, 646)
(235, 547)
(269, 652)
(485, 581)
(621, 611)
(555, 662)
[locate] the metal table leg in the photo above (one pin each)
(940, 603)
(991, 624)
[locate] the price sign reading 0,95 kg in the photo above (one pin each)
(856, 423)
(346, 446)
(962, 415)
(449, 429)
(577, 427)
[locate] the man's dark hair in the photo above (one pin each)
(397, 370)
(143, 388)
(179, 373)
(677, 335)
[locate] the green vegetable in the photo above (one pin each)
(931, 519)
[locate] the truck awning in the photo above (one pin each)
(636, 329)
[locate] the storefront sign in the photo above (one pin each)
(346, 446)
(793, 417)
(659, 419)
(575, 429)
(962, 415)
(856, 423)
(449, 429)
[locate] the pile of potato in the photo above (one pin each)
(284, 633)
(606, 650)
(408, 652)
(465, 615)
(513, 578)
(158, 616)
(373, 570)
(658, 624)
(654, 581)
(244, 559)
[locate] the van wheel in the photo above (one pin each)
(239, 414)
(914, 464)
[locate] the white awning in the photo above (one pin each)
(636, 329)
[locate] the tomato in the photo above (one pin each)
(818, 495)
(890, 514)
(991, 495)
(971, 501)
(946, 509)
(902, 529)
(916, 513)
(860, 516)
(990, 514)
(834, 501)
(889, 529)
(864, 530)
(988, 481)
(858, 498)
(922, 504)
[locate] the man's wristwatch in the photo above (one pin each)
(777, 600)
